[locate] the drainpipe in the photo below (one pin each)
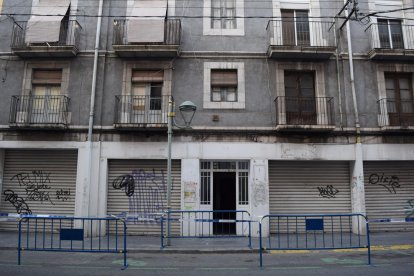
(357, 176)
(352, 78)
(92, 106)
(338, 78)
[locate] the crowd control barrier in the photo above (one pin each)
(178, 224)
(72, 234)
(314, 232)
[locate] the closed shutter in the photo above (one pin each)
(309, 187)
(41, 76)
(147, 182)
(148, 75)
(223, 78)
(45, 23)
(389, 191)
(38, 182)
(147, 22)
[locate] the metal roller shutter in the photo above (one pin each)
(389, 191)
(38, 182)
(309, 187)
(147, 197)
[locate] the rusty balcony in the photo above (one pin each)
(39, 112)
(132, 112)
(168, 46)
(66, 46)
(300, 40)
(305, 113)
(395, 113)
(391, 40)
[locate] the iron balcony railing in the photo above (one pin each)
(52, 111)
(300, 33)
(172, 33)
(302, 111)
(391, 36)
(141, 111)
(69, 35)
(393, 112)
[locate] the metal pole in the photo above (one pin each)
(170, 116)
(352, 78)
(19, 244)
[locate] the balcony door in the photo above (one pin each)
(400, 103)
(295, 28)
(45, 102)
(390, 34)
(146, 103)
(300, 98)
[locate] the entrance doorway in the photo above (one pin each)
(224, 198)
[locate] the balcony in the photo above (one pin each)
(391, 42)
(301, 40)
(395, 114)
(305, 114)
(169, 47)
(39, 112)
(132, 112)
(66, 46)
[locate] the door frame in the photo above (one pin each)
(242, 173)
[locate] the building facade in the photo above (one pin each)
(297, 111)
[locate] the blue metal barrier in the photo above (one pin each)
(72, 234)
(178, 224)
(314, 232)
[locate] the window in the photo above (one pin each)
(390, 34)
(400, 105)
(300, 97)
(224, 85)
(295, 28)
(145, 101)
(223, 14)
(223, 17)
(45, 102)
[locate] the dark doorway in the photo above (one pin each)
(224, 198)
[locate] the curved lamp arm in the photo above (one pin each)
(187, 110)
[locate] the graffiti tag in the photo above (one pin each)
(146, 191)
(125, 182)
(63, 195)
(391, 183)
(18, 202)
(328, 192)
(36, 185)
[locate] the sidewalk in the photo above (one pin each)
(152, 244)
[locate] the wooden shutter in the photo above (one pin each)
(148, 75)
(220, 77)
(46, 76)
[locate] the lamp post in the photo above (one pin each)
(187, 111)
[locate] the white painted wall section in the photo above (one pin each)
(259, 195)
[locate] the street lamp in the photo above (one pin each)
(187, 111)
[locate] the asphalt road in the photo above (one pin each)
(385, 261)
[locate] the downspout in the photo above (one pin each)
(338, 78)
(93, 95)
(352, 79)
(357, 174)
